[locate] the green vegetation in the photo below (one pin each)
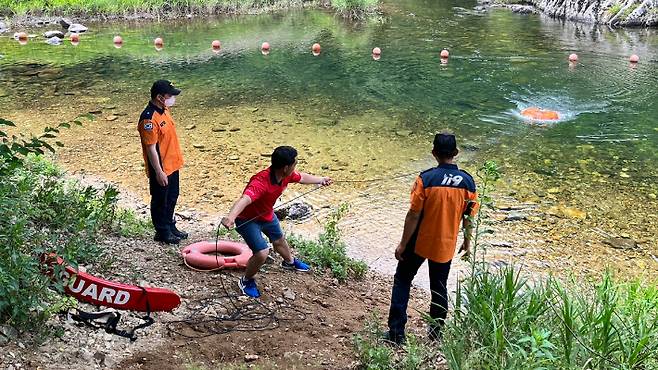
(616, 8)
(501, 320)
(329, 251)
(375, 354)
(42, 213)
(166, 7)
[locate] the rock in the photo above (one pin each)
(289, 294)
(297, 211)
(54, 41)
(77, 28)
(100, 357)
(621, 243)
(190, 127)
(652, 196)
(515, 216)
(7, 334)
(198, 146)
(234, 129)
(562, 211)
(218, 129)
(254, 110)
(502, 244)
(51, 34)
(403, 133)
(251, 358)
(111, 118)
(234, 158)
(523, 9)
(65, 23)
(3, 27)
(553, 191)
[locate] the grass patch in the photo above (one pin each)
(614, 9)
(374, 353)
(161, 7)
(129, 225)
(329, 251)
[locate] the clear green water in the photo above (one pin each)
(501, 63)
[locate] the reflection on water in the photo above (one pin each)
(362, 118)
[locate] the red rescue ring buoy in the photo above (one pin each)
(201, 255)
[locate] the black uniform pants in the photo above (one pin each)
(163, 201)
(404, 275)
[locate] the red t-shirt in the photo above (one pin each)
(264, 191)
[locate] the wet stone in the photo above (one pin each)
(516, 216)
(621, 243)
(51, 34)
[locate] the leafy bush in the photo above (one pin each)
(42, 213)
(329, 251)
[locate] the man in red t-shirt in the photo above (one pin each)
(253, 215)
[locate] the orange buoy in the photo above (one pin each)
(265, 48)
(539, 114)
(75, 39)
(158, 42)
(117, 41)
(22, 38)
(445, 54)
(316, 48)
(573, 57)
(377, 51)
(634, 58)
(216, 45)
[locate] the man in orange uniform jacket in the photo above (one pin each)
(441, 198)
(162, 160)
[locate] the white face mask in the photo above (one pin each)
(170, 102)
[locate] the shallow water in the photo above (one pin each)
(357, 118)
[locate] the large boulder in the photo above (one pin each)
(77, 28)
(51, 34)
(3, 27)
(65, 23)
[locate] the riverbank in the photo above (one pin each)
(38, 13)
(622, 13)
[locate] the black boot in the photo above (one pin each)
(177, 233)
(167, 238)
(395, 339)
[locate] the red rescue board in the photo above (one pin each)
(100, 292)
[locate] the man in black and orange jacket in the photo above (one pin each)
(442, 197)
(162, 160)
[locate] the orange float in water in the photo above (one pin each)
(216, 45)
(158, 42)
(445, 54)
(634, 58)
(75, 39)
(539, 114)
(573, 57)
(265, 48)
(316, 48)
(22, 38)
(118, 41)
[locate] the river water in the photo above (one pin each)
(355, 118)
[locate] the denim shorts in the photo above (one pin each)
(252, 232)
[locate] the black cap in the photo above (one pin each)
(445, 144)
(163, 87)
